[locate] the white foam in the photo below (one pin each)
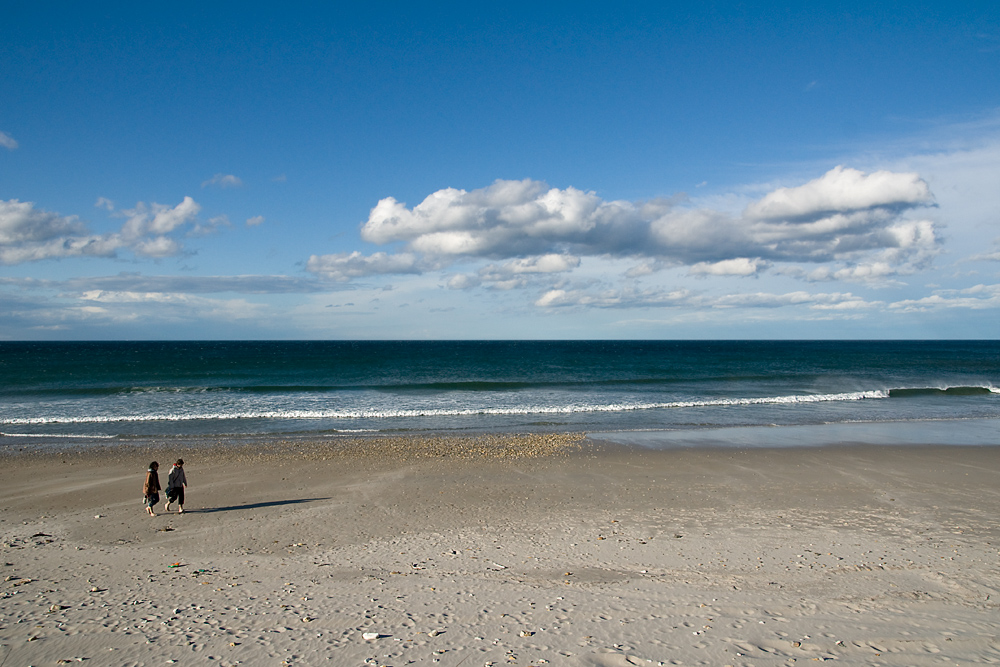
(57, 435)
(447, 412)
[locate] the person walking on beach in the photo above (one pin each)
(176, 481)
(151, 488)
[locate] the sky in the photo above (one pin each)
(518, 171)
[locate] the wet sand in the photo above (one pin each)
(505, 551)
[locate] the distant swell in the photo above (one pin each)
(416, 412)
(483, 386)
(458, 387)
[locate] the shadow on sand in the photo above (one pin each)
(251, 506)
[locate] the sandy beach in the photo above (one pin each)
(503, 550)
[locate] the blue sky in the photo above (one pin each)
(545, 170)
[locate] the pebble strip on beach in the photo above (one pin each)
(499, 446)
(488, 446)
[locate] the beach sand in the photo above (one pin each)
(503, 551)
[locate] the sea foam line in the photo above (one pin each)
(58, 435)
(455, 412)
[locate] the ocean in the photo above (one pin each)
(652, 393)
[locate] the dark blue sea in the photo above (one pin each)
(647, 392)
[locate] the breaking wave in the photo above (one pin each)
(453, 412)
(908, 392)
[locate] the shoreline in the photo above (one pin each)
(972, 431)
(591, 554)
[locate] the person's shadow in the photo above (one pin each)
(252, 506)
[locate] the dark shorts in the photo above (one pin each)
(152, 499)
(175, 494)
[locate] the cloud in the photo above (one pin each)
(992, 256)
(148, 301)
(8, 141)
(213, 225)
(646, 268)
(841, 190)
(246, 284)
(105, 203)
(158, 246)
(159, 218)
(22, 223)
(551, 263)
(146, 227)
(505, 220)
(463, 281)
(615, 298)
(908, 247)
(223, 181)
(741, 266)
(135, 306)
(518, 272)
(845, 216)
(872, 272)
(682, 298)
(345, 266)
(831, 301)
(31, 234)
(978, 297)
(255, 221)
(136, 282)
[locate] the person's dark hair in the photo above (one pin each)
(154, 465)
(179, 462)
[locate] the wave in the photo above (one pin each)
(974, 390)
(522, 410)
(458, 386)
(450, 412)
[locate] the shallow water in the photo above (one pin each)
(969, 432)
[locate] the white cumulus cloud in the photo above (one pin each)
(159, 218)
(845, 216)
(31, 234)
(840, 190)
